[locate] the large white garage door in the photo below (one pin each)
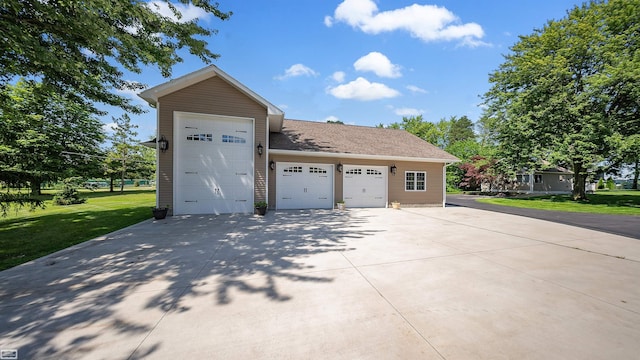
(213, 164)
(304, 186)
(365, 186)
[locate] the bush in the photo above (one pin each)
(600, 184)
(611, 185)
(69, 193)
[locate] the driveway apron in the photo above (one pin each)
(415, 283)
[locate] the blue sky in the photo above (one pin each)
(363, 62)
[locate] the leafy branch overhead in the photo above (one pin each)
(81, 47)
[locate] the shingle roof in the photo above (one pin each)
(314, 137)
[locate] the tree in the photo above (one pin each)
(460, 129)
(127, 158)
(548, 100)
(80, 47)
(45, 137)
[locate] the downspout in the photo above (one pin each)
(444, 184)
(267, 168)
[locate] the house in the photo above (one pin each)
(550, 180)
(223, 147)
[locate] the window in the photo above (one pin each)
(373, 172)
(233, 139)
(293, 169)
(523, 179)
(537, 178)
(415, 181)
(317, 170)
(200, 137)
(354, 172)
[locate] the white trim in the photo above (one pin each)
(359, 156)
(415, 180)
(444, 185)
(266, 164)
(158, 160)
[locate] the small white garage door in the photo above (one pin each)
(304, 186)
(365, 186)
(213, 164)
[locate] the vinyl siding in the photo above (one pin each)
(217, 97)
(431, 197)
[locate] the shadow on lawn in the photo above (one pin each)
(71, 303)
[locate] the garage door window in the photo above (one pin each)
(374, 172)
(354, 172)
(317, 170)
(293, 169)
(415, 181)
(200, 137)
(233, 139)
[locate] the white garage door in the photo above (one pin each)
(213, 164)
(365, 186)
(304, 186)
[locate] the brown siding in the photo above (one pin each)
(212, 96)
(432, 196)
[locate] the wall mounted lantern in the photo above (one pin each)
(260, 149)
(393, 169)
(272, 165)
(339, 167)
(163, 144)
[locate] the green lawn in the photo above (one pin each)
(26, 235)
(616, 202)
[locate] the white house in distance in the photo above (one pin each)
(227, 147)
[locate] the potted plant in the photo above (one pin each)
(395, 205)
(160, 213)
(261, 207)
(341, 205)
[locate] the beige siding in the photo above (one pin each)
(212, 96)
(396, 190)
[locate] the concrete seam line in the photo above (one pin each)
(393, 307)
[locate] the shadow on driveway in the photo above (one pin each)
(68, 304)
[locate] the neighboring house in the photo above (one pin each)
(550, 180)
(228, 147)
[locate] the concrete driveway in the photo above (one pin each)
(424, 283)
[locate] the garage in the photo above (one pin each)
(304, 186)
(213, 164)
(365, 186)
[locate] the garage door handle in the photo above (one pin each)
(190, 172)
(241, 200)
(191, 201)
(241, 173)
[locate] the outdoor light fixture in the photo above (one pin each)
(163, 144)
(393, 169)
(260, 148)
(272, 165)
(339, 167)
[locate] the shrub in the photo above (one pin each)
(611, 185)
(600, 184)
(69, 193)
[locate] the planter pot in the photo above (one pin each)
(341, 206)
(261, 210)
(396, 205)
(159, 214)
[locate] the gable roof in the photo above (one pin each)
(152, 95)
(321, 139)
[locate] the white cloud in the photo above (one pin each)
(408, 111)
(109, 128)
(362, 89)
(415, 89)
(425, 22)
(188, 12)
(338, 76)
(328, 21)
(297, 70)
(378, 64)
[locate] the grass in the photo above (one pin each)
(616, 202)
(27, 235)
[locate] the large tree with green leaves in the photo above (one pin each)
(45, 137)
(562, 92)
(82, 47)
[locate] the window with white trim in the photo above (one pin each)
(356, 171)
(200, 137)
(374, 172)
(317, 170)
(415, 181)
(293, 169)
(233, 139)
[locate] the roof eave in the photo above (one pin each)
(360, 156)
(151, 95)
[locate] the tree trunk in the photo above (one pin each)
(111, 184)
(35, 187)
(122, 174)
(579, 183)
(636, 174)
